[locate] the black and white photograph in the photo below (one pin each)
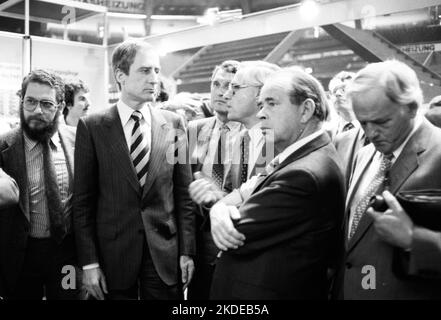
(217, 157)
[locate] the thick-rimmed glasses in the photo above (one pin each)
(30, 104)
(236, 87)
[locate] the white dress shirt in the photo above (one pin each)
(125, 113)
(234, 130)
(255, 148)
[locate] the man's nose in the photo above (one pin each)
(228, 94)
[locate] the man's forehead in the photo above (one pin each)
(39, 88)
(223, 76)
(147, 55)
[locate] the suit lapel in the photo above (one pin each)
(14, 159)
(303, 151)
(158, 148)
(203, 140)
(114, 133)
(403, 167)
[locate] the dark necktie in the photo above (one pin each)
(374, 188)
(139, 149)
(245, 151)
(218, 165)
(58, 226)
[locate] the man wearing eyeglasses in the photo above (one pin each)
(35, 235)
(210, 141)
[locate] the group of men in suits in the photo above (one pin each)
(273, 210)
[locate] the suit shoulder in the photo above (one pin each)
(8, 136)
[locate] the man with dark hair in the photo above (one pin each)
(210, 140)
(36, 242)
(284, 237)
(133, 217)
(77, 102)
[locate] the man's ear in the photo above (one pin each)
(62, 105)
(120, 76)
(308, 108)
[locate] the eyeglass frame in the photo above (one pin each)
(38, 103)
(236, 87)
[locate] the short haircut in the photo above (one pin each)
(71, 89)
(229, 66)
(124, 55)
(399, 82)
(256, 72)
(304, 86)
(47, 78)
(341, 78)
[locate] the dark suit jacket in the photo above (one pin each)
(418, 167)
(8, 190)
(292, 227)
(200, 133)
(347, 144)
(14, 220)
(113, 216)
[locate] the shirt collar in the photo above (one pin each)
(232, 125)
(31, 144)
(125, 112)
(297, 145)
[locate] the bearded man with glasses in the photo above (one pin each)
(37, 252)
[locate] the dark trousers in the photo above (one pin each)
(43, 275)
(199, 288)
(149, 285)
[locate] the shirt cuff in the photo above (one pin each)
(91, 266)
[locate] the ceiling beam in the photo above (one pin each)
(281, 19)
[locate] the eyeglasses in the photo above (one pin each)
(236, 87)
(30, 104)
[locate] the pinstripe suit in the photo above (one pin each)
(113, 216)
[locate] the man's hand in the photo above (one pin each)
(224, 234)
(393, 226)
(187, 270)
(204, 191)
(94, 283)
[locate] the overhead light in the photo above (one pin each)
(309, 9)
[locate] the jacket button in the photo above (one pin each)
(348, 265)
(141, 231)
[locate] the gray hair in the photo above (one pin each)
(399, 82)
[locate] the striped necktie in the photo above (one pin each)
(139, 149)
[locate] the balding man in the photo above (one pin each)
(286, 233)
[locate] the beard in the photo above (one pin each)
(39, 134)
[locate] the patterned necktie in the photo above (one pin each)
(58, 226)
(373, 188)
(218, 165)
(139, 149)
(245, 152)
